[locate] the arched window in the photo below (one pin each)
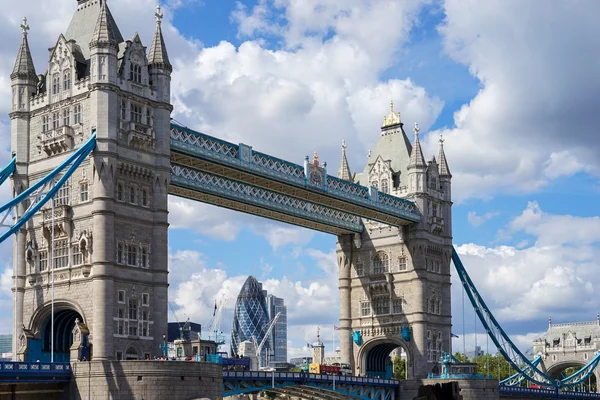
(380, 263)
(119, 192)
(401, 263)
(135, 73)
(144, 197)
(67, 80)
(384, 186)
(132, 194)
(131, 354)
(55, 83)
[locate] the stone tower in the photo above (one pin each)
(395, 282)
(110, 218)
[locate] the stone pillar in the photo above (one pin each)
(19, 281)
(344, 265)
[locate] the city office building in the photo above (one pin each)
(279, 333)
(251, 319)
(5, 343)
(183, 330)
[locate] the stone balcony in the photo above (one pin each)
(137, 135)
(62, 219)
(57, 140)
(436, 224)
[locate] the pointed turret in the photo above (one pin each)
(443, 164)
(158, 51)
(24, 68)
(344, 172)
(416, 155)
(104, 33)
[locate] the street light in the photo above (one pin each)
(164, 346)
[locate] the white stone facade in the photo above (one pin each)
(110, 219)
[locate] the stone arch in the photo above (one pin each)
(132, 351)
(40, 315)
(373, 358)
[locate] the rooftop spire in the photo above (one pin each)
(344, 172)
(442, 162)
(104, 34)
(24, 67)
(416, 155)
(158, 51)
(392, 118)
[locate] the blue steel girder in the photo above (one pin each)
(214, 189)
(241, 162)
(310, 393)
(358, 391)
(21, 372)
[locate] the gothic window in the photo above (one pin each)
(67, 80)
(55, 120)
(401, 263)
(77, 114)
(380, 263)
(77, 256)
(430, 351)
(133, 309)
(66, 117)
(123, 109)
(433, 183)
(381, 305)
(43, 256)
(132, 255)
(145, 299)
(428, 335)
(144, 257)
(121, 297)
(360, 271)
(384, 186)
(61, 253)
(120, 191)
(397, 305)
(434, 210)
(119, 252)
(135, 73)
(55, 83)
(62, 195)
(132, 194)
(438, 266)
(136, 113)
(45, 123)
(145, 197)
(83, 192)
(365, 308)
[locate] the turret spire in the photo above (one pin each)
(104, 34)
(442, 162)
(158, 51)
(416, 156)
(24, 67)
(344, 172)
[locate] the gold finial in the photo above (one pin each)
(416, 129)
(316, 158)
(392, 118)
(24, 26)
(158, 14)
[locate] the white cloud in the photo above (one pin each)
(477, 220)
(535, 117)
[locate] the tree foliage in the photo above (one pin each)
(399, 368)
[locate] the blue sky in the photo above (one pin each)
(515, 100)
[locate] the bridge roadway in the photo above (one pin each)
(235, 176)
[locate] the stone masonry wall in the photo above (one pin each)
(147, 380)
(470, 389)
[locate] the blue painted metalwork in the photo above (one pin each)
(517, 378)
(14, 372)
(242, 157)
(356, 387)
(357, 337)
(405, 331)
(530, 393)
(249, 194)
(506, 347)
(37, 190)
(8, 170)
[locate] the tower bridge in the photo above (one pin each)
(96, 156)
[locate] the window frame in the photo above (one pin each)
(84, 188)
(121, 297)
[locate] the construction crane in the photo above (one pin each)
(181, 327)
(214, 327)
(262, 343)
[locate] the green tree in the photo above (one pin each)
(399, 368)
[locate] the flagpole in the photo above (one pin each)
(333, 337)
(52, 301)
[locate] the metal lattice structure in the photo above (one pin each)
(310, 386)
(325, 199)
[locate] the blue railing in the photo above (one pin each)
(34, 372)
(530, 393)
(304, 377)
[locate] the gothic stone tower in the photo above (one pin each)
(110, 219)
(395, 282)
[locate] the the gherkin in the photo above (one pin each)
(250, 319)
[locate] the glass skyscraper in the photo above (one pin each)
(279, 333)
(250, 318)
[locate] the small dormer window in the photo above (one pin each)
(67, 80)
(55, 83)
(135, 73)
(384, 186)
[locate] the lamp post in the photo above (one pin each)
(164, 346)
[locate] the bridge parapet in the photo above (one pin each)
(34, 372)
